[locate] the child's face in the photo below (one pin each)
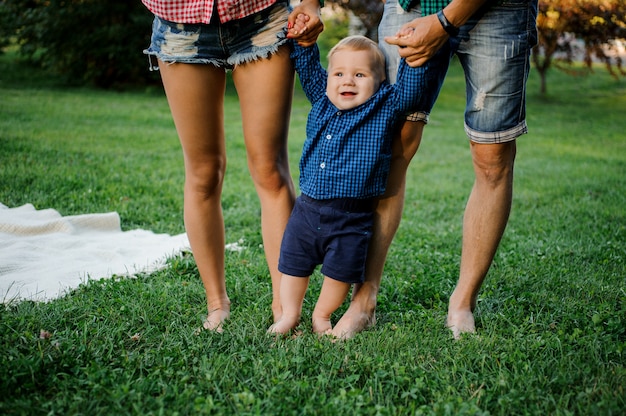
(351, 78)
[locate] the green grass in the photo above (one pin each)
(551, 316)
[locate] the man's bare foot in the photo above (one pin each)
(214, 320)
(284, 325)
(460, 322)
(353, 322)
(361, 313)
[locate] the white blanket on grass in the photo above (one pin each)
(43, 254)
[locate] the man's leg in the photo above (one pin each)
(486, 215)
(496, 69)
(361, 312)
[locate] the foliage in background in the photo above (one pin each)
(97, 42)
(100, 42)
(369, 12)
(336, 27)
(562, 24)
(598, 24)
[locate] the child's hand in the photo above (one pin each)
(298, 27)
(405, 32)
(305, 23)
(419, 39)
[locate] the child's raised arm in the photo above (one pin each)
(313, 76)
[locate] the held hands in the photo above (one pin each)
(419, 39)
(304, 23)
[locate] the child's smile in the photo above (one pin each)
(351, 79)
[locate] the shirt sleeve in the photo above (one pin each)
(409, 86)
(313, 76)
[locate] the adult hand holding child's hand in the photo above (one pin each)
(305, 23)
(419, 39)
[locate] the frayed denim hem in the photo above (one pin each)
(260, 53)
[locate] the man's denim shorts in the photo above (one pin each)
(224, 45)
(321, 234)
(494, 49)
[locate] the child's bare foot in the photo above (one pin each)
(284, 325)
(460, 322)
(322, 326)
(277, 312)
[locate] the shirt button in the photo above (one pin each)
(338, 113)
(328, 137)
(322, 165)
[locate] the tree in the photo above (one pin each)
(564, 24)
(369, 12)
(101, 41)
(87, 41)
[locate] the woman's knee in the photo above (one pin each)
(271, 175)
(271, 178)
(206, 178)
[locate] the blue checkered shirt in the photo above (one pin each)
(347, 152)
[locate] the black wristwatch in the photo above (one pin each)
(447, 26)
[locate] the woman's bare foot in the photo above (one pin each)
(214, 321)
(460, 322)
(284, 325)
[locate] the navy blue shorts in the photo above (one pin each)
(333, 234)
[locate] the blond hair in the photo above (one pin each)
(362, 43)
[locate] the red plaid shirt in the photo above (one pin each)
(201, 11)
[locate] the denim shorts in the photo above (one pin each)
(224, 45)
(493, 48)
(318, 233)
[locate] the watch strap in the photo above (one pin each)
(447, 26)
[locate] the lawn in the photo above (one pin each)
(551, 316)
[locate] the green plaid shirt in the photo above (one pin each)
(428, 6)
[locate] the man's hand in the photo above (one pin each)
(305, 23)
(419, 39)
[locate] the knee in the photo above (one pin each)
(206, 179)
(495, 166)
(494, 175)
(270, 176)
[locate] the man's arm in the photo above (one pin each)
(421, 38)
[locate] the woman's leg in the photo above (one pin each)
(195, 94)
(265, 89)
